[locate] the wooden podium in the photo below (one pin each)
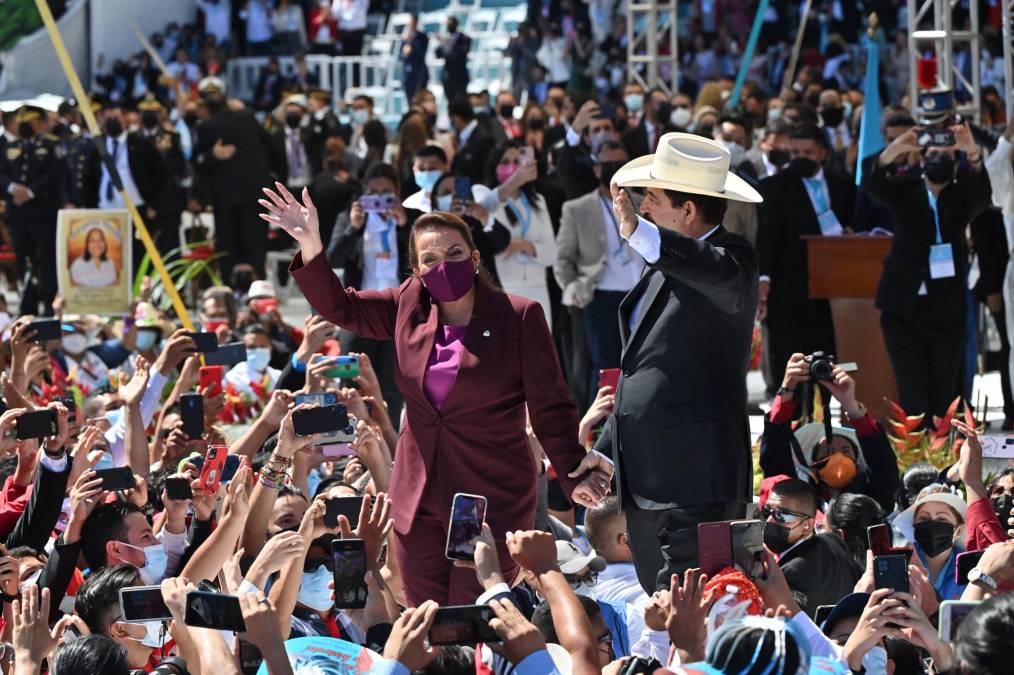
(846, 270)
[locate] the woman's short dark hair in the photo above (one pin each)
(435, 220)
(712, 209)
(105, 246)
(542, 618)
(852, 513)
(452, 660)
(985, 639)
(381, 170)
(915, 478)
(91, 654)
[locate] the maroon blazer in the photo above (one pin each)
(477, 442)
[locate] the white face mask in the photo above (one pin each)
(680, 117)
(155, 563)
(153, 634)
(74, 343)
(737, 151)
(258, 359)
(313, 590)
(32, 578)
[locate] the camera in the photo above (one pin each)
(639, 664)
(936, 137)
(172, 665)
(821, 366)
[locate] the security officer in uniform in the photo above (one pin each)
(32, 171)
(324, 124)
(166, 226)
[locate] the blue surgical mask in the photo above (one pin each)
(145, 339)
(444, 203)
(875, 661)
(426, 180)
(156, 560)
(313, 590)
(360, 116)
(634, 102)
(479, 110)
(258, 358)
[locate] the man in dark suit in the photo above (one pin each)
(807, 198)
(679, 433)
(323, 124)
(453, 50)
(268, 90)
(166, 227)
(474, 143)
(231, 164)
(642, 139)
(575, 161)
(414, 75)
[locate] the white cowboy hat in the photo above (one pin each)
(688, 163)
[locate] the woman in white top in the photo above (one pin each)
(93, 268)
(532, 249)
(290, 29)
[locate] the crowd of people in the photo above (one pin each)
(549, 306)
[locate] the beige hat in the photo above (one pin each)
(688, 163)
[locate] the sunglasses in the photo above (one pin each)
(575, 580)
(782, 515)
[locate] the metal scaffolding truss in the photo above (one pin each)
(929, 22)
(647, 23)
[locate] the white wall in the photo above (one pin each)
(31, 67)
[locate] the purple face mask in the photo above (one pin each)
(449, 280)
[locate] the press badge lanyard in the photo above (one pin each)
(621, 251)
(525, 221)
(941, 258)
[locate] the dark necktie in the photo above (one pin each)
(110, 190)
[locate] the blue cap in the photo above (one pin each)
(851, 605)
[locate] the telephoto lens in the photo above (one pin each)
(172, 665)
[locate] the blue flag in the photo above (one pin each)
(870, 139)
(751, 44)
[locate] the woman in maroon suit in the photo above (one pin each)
(470, 358)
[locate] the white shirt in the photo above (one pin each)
(553, 57)
(351, 14)
(623, 265)
(618, 583)
(380, 262)
(122, 163)
(420, 201)
(150, 404)
(216, 18)
(258, 21)
(241, 376)
(86, 273)
(188, 72)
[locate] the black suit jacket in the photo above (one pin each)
(239, 179)
(990, 241)
(785, 216)
(268, 90)
(575, 167)
(637, 142)
(906, 267)
(456, 60)
(679, 432)
(470, 160)
(148, 168)
(820, 571)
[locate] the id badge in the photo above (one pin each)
(387, 266)
(829, 224)
(941, 261)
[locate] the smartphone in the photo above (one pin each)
(609, 377)
(211, 471)
(821, 613)
(204, 342)
(178, 488)
(192, 414)
(714, 547)
(891, 571)
(526, 154)
(210, 379)
(35, 424)
(936, 137)
(45, 329)
(230, 467)
(377, 203)
(463, 188)
(347, 367)
(964, 564)
(349, 556)
(467, 515)
(997, 447)
(342, 506)
(336, 449)
(214, 610)
(328, 418)
(462, 625)
(952, 613)
(324, 398)
(881, 540)
(227, 355)
(143, 603)
(748, 547)
(118, 478)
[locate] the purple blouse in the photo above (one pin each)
(442, 367)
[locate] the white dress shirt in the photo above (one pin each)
(618, 583)
(122, 163)
(380, 262)
(623, 264)
(216, 18)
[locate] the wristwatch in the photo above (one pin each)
(785, 390)
(977, 575)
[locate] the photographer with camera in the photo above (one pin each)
(857, 459)
(922, 294)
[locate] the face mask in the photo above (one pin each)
(113, 127)
(776, 537)
(149, 119)
(258, 359)
(584, 588)
(145, 340)
(505, 171)
(663, 112)
(293, 119)
(807, 168)
(450, 281)
(74, 343)
(875, 661)
(152, 634)
(155, 562)
(934, 536)
(25, 129)
(1002, 505)
(32, 578)
(779, 157)
(598, 138)
(360, 116)
(832, 116)
(426, 180)
(938, 168)
(313, 590)
(607, 171)
(774, 114)
(634, 102)
(706, 130)
(535, 123)
(838, 471)
(506, 111)
(479, 110)
(680, 117)
(736, 151)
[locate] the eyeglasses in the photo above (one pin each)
(782, 515)
(575, 580)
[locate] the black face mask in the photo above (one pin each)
(807, 168)
(190, 119)
(536, 123)
(506, 111)
(1002, 505)
(832, 116)
(114, 127)
(779, 157)
(149, 119)
(707, 131)
(242, 280)
(776, 537)
(293, 119)
(934, 536)
(25, 129)
(608, 170)
(938, 168)
(664, 112)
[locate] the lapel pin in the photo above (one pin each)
(485, 333)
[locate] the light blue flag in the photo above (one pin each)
(870, 139)
(751, 45)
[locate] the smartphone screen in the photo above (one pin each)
(324, 398)
(320, 420)
(952, 613)
(880, 539)
(467, 515)
(119, 478)
(748, 547)
(343, 506)
(211, 471)
(143, 603)
(349, 571)
(891, 571)
(463, 188)
(227, 355)
(462, 625)
(230, 467)
(964, 564)
(192, 414)
(204, 342)
(178, 488)
(35, 424)
(214, 610)
(714, 546)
